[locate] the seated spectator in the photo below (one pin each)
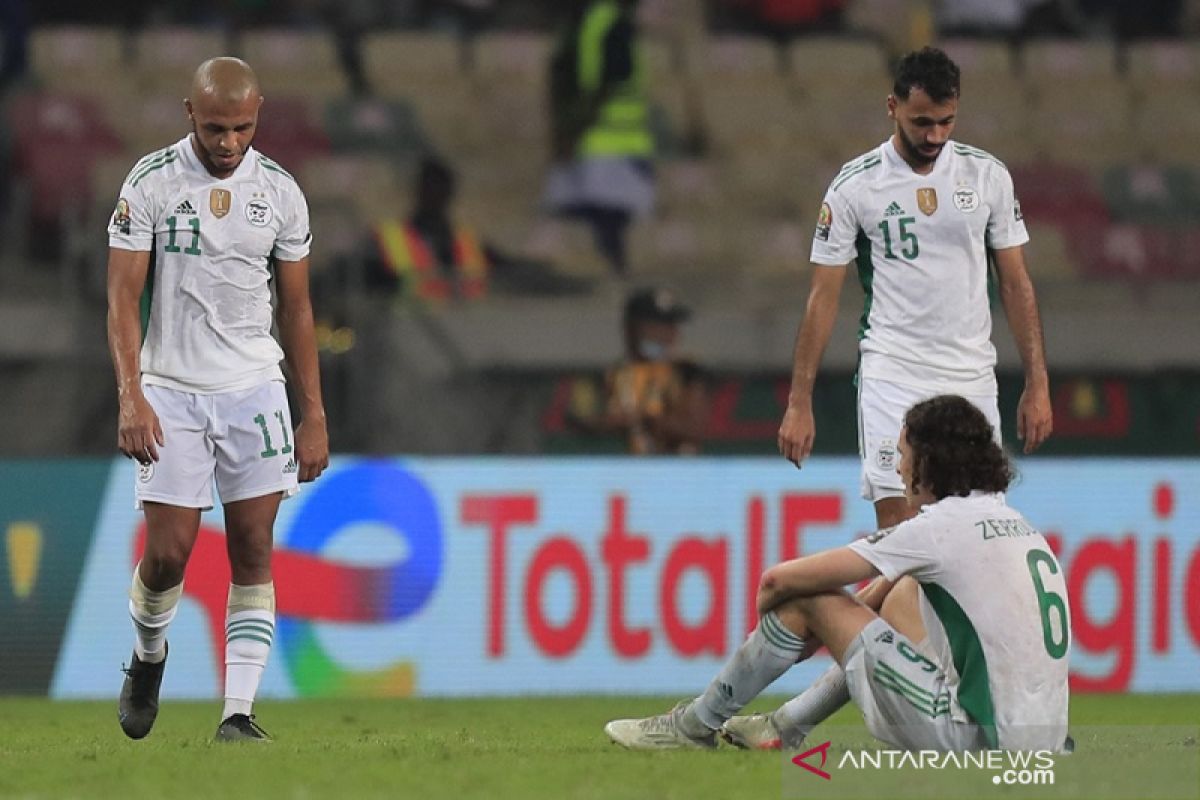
(657, 400)
(431, 257)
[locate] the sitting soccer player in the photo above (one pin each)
(969, 649)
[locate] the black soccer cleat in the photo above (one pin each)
(241, 728)
(138, 707)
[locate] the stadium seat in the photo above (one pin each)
(1059, 194)
(1048, 254)
(150, 121)
(386, 127)
(399, 64)
(167, 56)
(1168, 67)
(373, 185)
(741, 58)
(1152, 194)
(688, 186)
(1083, 123)
(83, 60)
(829, 63)
(294, 62)
(981, 61)
(511, 57)
(566, 244)
(287, 134)
(1059, 65)
(996, 119)
(1166, 129)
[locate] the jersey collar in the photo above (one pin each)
(897, 162)
(192, 161)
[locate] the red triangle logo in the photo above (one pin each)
(823, 749)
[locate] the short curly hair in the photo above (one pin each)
(931, 70)
(953, 448)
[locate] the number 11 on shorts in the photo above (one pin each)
(268, 450)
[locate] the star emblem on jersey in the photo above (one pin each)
(185, 208)
(258, 213)
(894, 210)
(219, 202)
(927, 200)
(966, 199)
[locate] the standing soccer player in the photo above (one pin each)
(921, 216)
(204, 224)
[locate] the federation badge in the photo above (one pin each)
(966, 199)
(927, 201)
(219, 202)
(885, 456)
(121, 220)
(824, 222)
(258, 213)
(145, 471)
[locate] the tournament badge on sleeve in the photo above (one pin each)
(824, 222)
(927, 201)
(219, 202)
(121, 221)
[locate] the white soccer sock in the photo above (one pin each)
(798, 716)
(249, 632)
(768, 652)
(151, 612)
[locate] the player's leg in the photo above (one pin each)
(770, 650)
(250, 615)
(255, 469)
(172, 492)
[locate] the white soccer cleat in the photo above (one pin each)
(661, 732)
(755, 732)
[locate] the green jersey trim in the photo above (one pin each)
(974, 152)
(848, 173)
(169, 158)
(974, 689)
(271, 165)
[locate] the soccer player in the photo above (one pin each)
(971, 577)
(921, 216)
(204, 225)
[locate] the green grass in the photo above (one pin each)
(495, 748)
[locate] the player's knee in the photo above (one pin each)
(163, 567)
(250, 557)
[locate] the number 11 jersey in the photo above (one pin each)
(211, 242)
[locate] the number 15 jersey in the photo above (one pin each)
(921, 245)
(211, 242)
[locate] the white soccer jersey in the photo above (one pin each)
(994, 604)
(211, 242)
(920, 243)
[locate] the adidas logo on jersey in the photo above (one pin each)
(886, 637)
(185, 208)
(893, 210)
(291, 467)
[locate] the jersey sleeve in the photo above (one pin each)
(295, 236)
(132, 224)
(837, 231)
(1006, 225)
(907, 549)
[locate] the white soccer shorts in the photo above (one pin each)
(903, 696)
(241, 439)
(881, 409)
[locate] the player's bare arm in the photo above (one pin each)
(797, 431)
(1035, 420)
(139, 433)
(295, 318)
(812, 575)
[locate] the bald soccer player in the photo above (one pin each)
(200, 227)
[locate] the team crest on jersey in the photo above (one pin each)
(258, 213)
(824, 222)
(885, 456)
(927, 200)
(122, 220)
(219, 202)
(966, 199)
(145, 471)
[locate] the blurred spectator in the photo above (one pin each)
(783, 20)
(655, 399)
(982, 18)
(14, 41)
(431, 257)
(600, 125)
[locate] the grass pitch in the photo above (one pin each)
(500, 748)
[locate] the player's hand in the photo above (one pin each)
(139, 434)
(1035, 420)
(312, 448)
(796, 433)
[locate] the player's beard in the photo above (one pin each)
(913, 153)
(207, 157)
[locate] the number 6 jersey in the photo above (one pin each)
(994, 604)
(211, 242)
(920, 243)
